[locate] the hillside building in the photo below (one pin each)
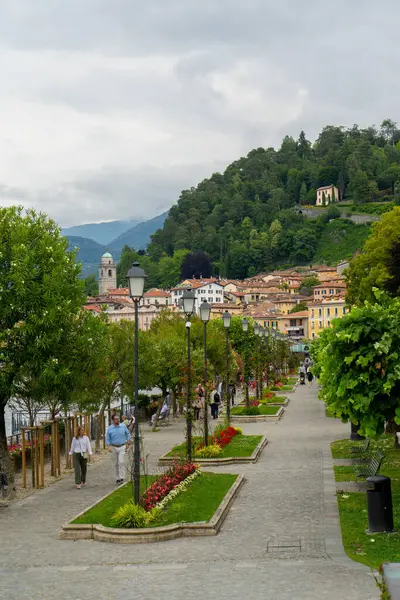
(327, 194)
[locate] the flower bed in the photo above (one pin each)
(15, 450)
(203, 496)
(164, 484)
(253, 411)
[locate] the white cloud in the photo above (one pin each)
(108, 110)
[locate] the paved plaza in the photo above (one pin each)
(280, 541)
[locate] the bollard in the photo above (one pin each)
(379, 504)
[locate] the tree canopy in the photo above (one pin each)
(357, 364)
(46, 342)
(244, 218)
(376, 266)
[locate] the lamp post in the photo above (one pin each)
(136, 279)
(262, 333)
(205, 310)
(245, 328)
(256, 333)
(188, 303)
(226, 318)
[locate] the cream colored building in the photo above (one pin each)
(329, 192)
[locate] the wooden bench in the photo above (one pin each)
(361, 449)
(371, 468)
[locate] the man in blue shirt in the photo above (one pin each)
(117, 437)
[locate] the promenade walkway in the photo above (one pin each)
(280, 541)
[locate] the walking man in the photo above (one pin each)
(117, 438)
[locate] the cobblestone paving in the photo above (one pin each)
(280, 541)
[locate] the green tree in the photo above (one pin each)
(299, 307)
(40, 295)
(128, 256)
(303, 194)
(371, 268)
(357, 364)
(91, 286)
(359, 187)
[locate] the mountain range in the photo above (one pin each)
(111, 236)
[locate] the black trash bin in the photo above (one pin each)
(379, 504)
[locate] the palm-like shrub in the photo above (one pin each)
(130, 516)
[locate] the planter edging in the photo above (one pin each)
(100, 533)
(214, 462)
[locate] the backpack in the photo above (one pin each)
(217, 399)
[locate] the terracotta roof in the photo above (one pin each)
(326, 187)
(300, 314)
(322, 268)
(119, 292)
(155, 293)
(93, 307)
(331, 284)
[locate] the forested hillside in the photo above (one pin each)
(245, 218)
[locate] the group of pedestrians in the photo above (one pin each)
(118, 435)
(118, 439)
(305, 372)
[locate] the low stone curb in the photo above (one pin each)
(215, 462)
(257, 418)
(283, 404)
(113, 535)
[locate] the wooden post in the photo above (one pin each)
(42, 457)
(67, 442)
(53, 450)
(58, 448)
(88, 432)
(36, 457)
(23, 457)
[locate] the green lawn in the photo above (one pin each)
(198, 503)
(240, 446)
(102, 512)
(283, 388)
(275, 400)
(374, 549)
(262, 410)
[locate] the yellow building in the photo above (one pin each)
(321, 313)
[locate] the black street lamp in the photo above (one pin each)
(226, 318)
(188, 303)
(262, 334)
(245, 328)
(205, 311)
(257, 334)
(136, 279)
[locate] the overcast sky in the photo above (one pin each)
(109, 108)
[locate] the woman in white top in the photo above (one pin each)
(80, 452)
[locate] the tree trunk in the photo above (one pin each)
(6, 463)
(98, 421)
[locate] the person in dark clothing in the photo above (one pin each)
(215, 401)
(310, 378)
(232, 392)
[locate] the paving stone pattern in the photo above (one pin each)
(280, 541)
